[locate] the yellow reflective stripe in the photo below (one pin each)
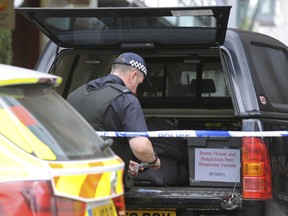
(70, 184)
(59, 81)
(6, 161)
(16, 164)
(21, 157)
(113, 162)
(78, 164)
(39, 148)
(18, 81)
(56, 81)
(120, 173)
(119, 185)
(20, 135)
(92, 185)
(10, 130)
(104, 185)
(82, 186)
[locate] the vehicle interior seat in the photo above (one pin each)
(207, 86)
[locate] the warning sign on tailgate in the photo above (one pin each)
(220, 165)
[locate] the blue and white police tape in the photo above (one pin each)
(194, 133)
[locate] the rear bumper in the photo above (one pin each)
(182, 198)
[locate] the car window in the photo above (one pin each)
(271, 79)
(42, 123)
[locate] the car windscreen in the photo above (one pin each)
(41, 122)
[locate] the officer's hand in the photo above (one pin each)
(134, 168)
(157, 165)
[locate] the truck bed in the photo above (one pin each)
(211, 195)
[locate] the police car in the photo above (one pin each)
(52, 162)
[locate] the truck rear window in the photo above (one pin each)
(178, 80)
(185, 81)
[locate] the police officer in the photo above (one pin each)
(109, 103)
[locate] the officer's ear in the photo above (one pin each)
(134, 74)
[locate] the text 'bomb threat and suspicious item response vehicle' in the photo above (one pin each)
(49, 153)
(205, 77)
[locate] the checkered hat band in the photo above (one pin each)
(138, 66)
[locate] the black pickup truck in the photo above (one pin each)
(205, 78)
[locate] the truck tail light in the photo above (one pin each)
(256, 169)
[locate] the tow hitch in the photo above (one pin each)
(231, 202)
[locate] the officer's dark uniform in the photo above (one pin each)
(108, 105)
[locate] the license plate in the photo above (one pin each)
(150, 213)
(105, 210)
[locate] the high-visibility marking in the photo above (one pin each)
(96, 183)
(20, 134)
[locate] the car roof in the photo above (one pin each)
(147, 27)
(13, 75)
